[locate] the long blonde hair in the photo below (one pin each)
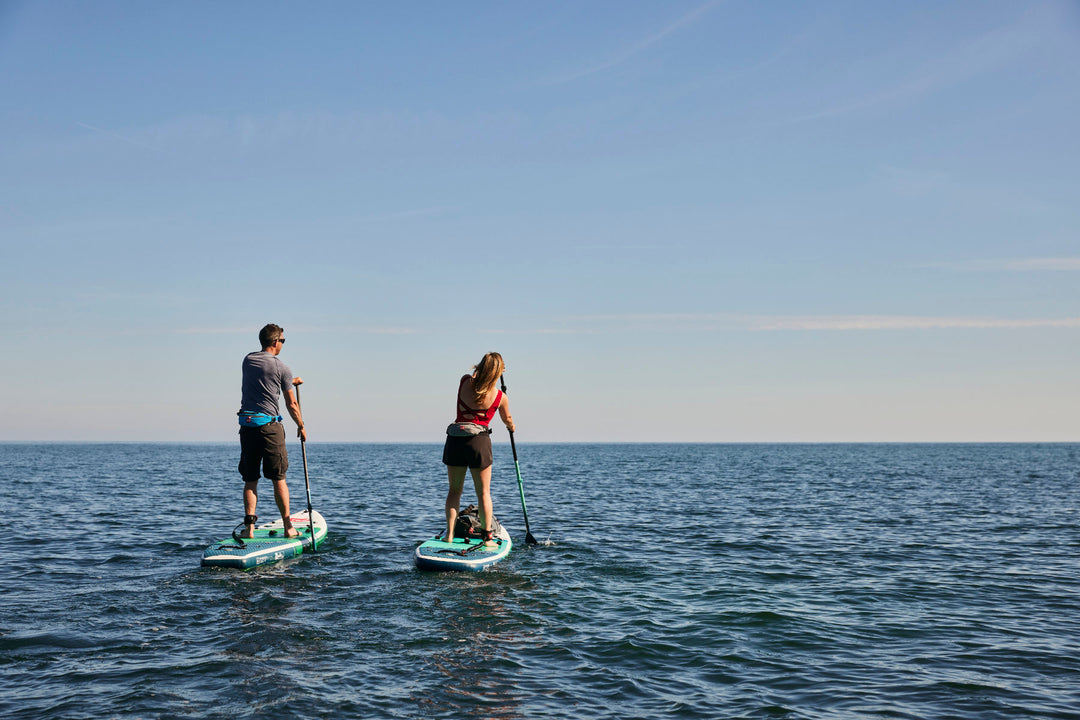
(486, 373)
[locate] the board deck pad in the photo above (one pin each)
(462, 554)
(269, 544)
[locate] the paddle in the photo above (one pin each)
(307, 483)
(521, 487)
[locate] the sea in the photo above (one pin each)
(670, 581)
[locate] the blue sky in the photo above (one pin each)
(717, 222)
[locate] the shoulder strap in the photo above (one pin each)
(459, 401)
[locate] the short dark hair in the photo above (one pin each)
(270, 334)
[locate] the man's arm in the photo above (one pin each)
(294, 410)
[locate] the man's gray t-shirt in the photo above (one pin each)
(265, 376)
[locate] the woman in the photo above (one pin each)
(468, 440)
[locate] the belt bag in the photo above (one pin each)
(253, 419)
(466, 429)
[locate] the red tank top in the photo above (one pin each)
(480, 417)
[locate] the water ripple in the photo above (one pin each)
(676, 582)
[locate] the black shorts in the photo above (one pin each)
(265, 446)
(472, 451)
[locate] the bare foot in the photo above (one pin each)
(291, 532)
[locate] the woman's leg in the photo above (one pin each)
(453, 498)
(482, 483)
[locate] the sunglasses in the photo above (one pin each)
(281, 340)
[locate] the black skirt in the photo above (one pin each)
(473, 451)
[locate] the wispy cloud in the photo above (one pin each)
(1062, 263)
(972, 191)
(639, 47)
(717, 322)
(406, 214)
(337, 134)
(907, 322)
(978, 56)
(124, 138)
(1046, 264)
(690, 322)
(308, 330)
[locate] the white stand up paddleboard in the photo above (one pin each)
(269, 544)
(463, 553)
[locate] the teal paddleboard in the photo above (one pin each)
(269, 544)
(463, 553)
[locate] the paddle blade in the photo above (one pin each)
(529, 539)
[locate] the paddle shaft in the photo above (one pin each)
(521, 485)
(521, 488)
(307, 483)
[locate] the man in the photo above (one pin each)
(262, 435)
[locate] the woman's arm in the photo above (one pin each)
(504, 413)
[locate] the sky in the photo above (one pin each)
(677, 221)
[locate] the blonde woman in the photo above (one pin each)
(468, 440)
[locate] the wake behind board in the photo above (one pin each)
(462, 553)
(269, 544)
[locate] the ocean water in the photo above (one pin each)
(672, 581)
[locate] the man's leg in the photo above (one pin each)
(281, 496)
(251, 500)
(250, 459)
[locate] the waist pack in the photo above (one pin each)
(466, 429)
(254, 419)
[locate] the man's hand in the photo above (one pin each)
(297, 381)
